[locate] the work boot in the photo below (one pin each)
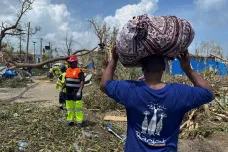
(60, 108)
(80, 125)
(71, 123)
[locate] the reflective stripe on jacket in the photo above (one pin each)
(60, 82)
(56, 71)
(72, 79)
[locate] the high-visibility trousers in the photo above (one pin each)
(74, 110)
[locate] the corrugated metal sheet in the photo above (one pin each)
(199, 66)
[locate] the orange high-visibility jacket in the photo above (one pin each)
(72, 78)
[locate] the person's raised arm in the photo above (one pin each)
(110, 69)
(195, 78)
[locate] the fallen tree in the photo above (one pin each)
(40, 65)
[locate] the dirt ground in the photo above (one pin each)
(216, 143)
(45, 95)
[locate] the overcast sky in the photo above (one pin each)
(56, 17)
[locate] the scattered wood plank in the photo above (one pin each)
(115, 118)
(220, 115)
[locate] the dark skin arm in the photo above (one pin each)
(82, 79)
(110, 70)
(195, 78)
(81, 86)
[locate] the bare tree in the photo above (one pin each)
(9, 29)
(34, 30)
(206, 48)
(68, 41)
(106, 36)
(198, 57)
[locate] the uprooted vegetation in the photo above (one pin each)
(45, 129)
(201, 122)
(198, 122)
(210, 117)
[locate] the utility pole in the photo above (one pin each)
(56, 51)
(20, 49)
(27, 47)
(20, 31)
(81, 57)
(34, 43)
(49, 51)
(41, 49)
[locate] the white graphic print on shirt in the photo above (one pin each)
(154, 127)
(160, 124)
(145, 122)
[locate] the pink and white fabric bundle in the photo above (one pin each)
(148, 35)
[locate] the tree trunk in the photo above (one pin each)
(41, 64)
(170, 67)
(1, 38)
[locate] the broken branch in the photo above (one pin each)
(220, 115)
(189, 119)
(14, 34)
(219, 58)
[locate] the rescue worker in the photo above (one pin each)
(66, 64)
(51, 75)
(59, 84)
(74, 84)
(54, 72)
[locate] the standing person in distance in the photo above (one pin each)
(74, 83)
(59, 84)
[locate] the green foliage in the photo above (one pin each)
(45, 129)
(95, 99)
(39, 72)
(14, 82)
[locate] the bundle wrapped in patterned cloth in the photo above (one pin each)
(148, 35)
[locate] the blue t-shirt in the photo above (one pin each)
(154, 116)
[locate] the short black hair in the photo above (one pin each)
(153, 63)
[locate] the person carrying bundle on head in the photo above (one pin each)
(154, 109)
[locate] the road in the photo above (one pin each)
(44, 94)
